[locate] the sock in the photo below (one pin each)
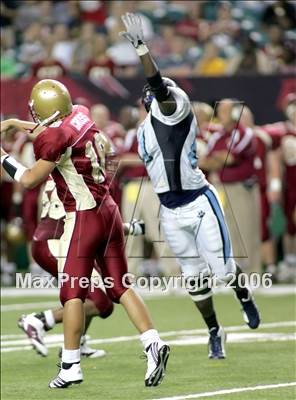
(49, 319)
(212, 322)
(71, 356)
(243, 294)
(149, 337)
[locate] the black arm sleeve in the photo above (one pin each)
(158, 87)
(166, 101)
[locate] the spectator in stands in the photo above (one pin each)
(210, 64)
(287, 63)
(178, 62)
(100, 63)
(93, 11)
(64, 46)
(231, 153)
(282, 13)
(27, 13)
(251, 60)
(84, 47)
(32, 49)
(49, 67)
(274, 48)
(9, 66)
(225, 25)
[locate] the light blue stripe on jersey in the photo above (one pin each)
(145, 156)
(221, 221)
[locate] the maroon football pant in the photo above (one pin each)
(43, 256)
(90, 235)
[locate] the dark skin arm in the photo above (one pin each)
(169, 106)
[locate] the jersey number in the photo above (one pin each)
(96, 152)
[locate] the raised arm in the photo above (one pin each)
(134, 33)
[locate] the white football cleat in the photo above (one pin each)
(69, 374)
(34, 329)
(157, 356)
(87, 351)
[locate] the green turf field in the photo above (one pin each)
(263, 357)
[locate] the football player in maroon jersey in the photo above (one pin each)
(45, 251)
(68, 146)
(262, 162)
(284, 143)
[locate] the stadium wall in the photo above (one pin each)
(263, 94)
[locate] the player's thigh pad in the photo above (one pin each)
(78, 245)
(112, 260)
(44, 256)
(213, 237)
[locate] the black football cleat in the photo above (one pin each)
(216, 344)
(250, 312)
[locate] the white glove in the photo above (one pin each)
(134, 29)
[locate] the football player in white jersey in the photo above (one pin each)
(191, 214)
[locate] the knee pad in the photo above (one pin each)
(225, 273)
(198, 288)
(102, 302)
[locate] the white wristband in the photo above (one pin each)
(275, 185)
(142, 49)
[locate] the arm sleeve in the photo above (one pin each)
(181, 112)
(50, 145)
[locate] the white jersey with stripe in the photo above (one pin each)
(167, 145)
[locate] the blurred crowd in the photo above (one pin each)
(197, 38)
(253, 167)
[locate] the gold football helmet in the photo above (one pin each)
(50, 101)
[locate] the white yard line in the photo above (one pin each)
(29, 306)
(228, 391)
(11, 343)
(275, 290)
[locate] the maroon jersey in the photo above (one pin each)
(284, 136)
(264, 143)
(75, 145)
(241, 144)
